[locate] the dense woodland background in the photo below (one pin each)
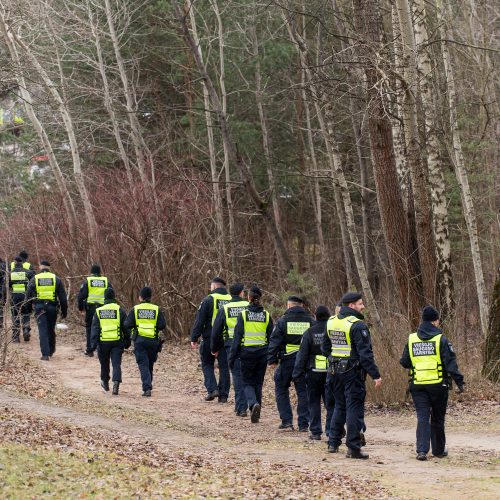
(313, 147)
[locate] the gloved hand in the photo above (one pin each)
(160, 345)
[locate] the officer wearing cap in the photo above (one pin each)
(90, 297)
(19, 278)
(221, 342)
(47, 292)
(431, 360)
(202, 330)
(283, 347)
(314, 365)
(251, 338)
(110, 337)
(347, 344)
(146, 320)
(23, 255)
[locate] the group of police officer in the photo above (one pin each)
(109, 329)
(327, 358)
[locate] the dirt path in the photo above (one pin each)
(471, 471)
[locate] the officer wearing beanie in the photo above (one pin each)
(314, 365)
(19, 278)
(251, 339)
(431, 360)
(146, 320)
(47, 293)
(347, 343)
(221, 342)
(283, 347)
(109, 336)
(23, 255)
(202, 329)
(90, 297)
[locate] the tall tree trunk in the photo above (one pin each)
(394, 224)
(423, 214)
(461, 172)
(491, 352)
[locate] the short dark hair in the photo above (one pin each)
(146, 293)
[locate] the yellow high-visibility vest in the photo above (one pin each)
(146, 317)
(425, 358)
(339, 331)
(231, 311)
(109, 320)
(219, 300)
(45, 284)
(18, 281)
(295, 329)
(255, 326)
(97, 286)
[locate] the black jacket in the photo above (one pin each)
(96, 330)
(250, 352)
(130, 324)
(279, 338)
(203, 322)
(310, 347)
(361, 345)
(218, 338)
(427, 331)
(84, 292)
(61, 297)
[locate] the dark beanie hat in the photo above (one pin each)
(255, 291)
(146, 293)
(322, 313)
(295, 298)
(23, 254)
(236, 288)
(18, 259)
(109, 294)
(429, 314)
(45, 263)
(95, 269)
(350, 297)
(218, 279)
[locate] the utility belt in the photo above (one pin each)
(342, 365)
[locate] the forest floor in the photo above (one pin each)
(62, 436)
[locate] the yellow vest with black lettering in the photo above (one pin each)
(294, 332)
(18, 281)
(26, 265)
(219, 300)
(255, 327)
(45, 284)
(109, 320)
(231, 311)
(97, 286)
(425, 358)
(146, 317)
(339, 332)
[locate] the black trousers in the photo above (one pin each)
(110, 352)
(146, 354)
(430, 403)
(20, 317)
(46, 317)
(89, 316)
(318, 390)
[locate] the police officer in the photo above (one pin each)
(202, 328)
(23, 254)
(347, 343)
(314, 365)
(430, 357)
(146, 320)
(90, 297)
(3, 283)
(283, 347)
(47, 292)
(21, 308)
(251, 338)
(109, 336)
(222, 340)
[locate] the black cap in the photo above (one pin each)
(218, 279)
(429, 314)
(295, 298)
(255, 291)
(146, 293)
(45, 263)
(109, 294)
(95, 269)
(18, 259)
(322, 313)
(236, 288)
(23, 254)
(350, 297)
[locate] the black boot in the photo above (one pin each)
(212, 395)
(255, 413)
(105, 385)
(116, 388)
(351, 453)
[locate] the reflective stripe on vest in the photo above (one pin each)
(320, 363)
(45, 284)
(254, 327)
(97, 286)
(146, 317)
(231, 311)
(425, 358)
(26, 265)
(339, 331)
(109, 320)
(18, 281)
(219, 300)
(297, 329)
